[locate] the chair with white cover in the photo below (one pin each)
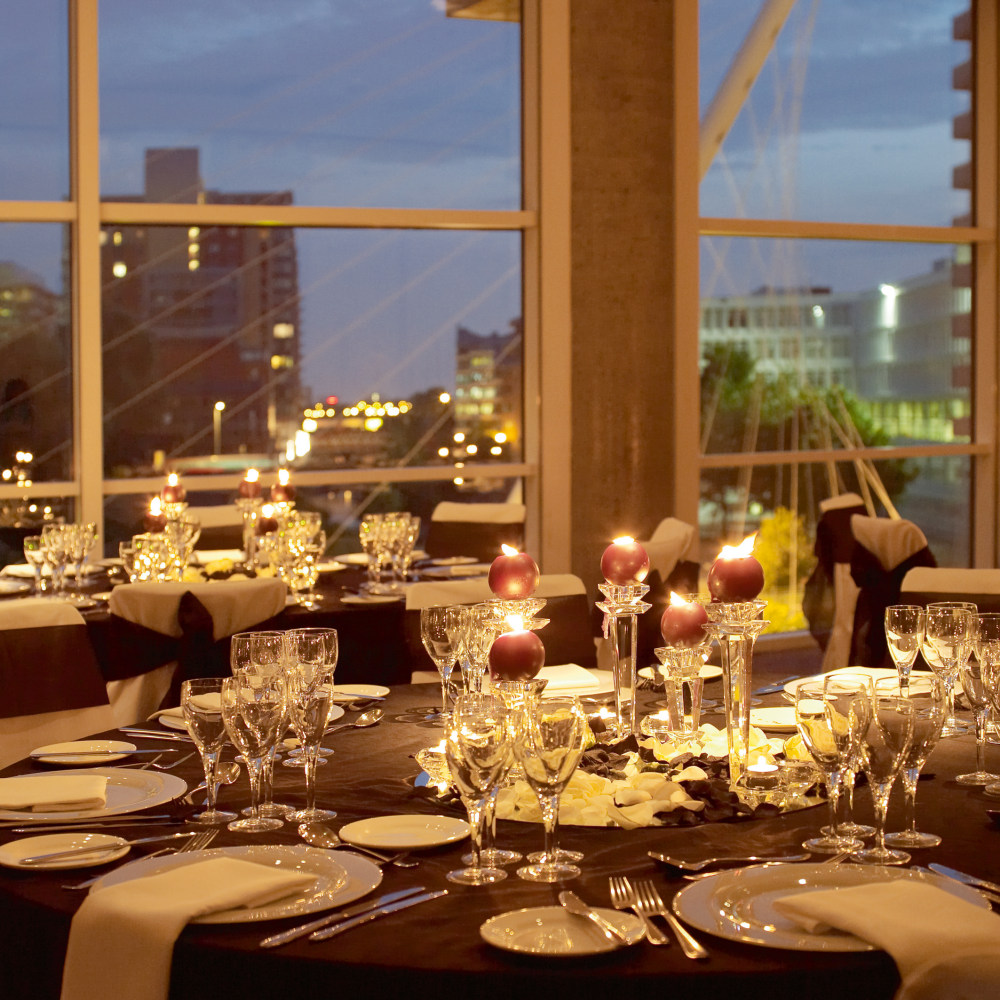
(191, 620)
(52, 685)
(474, 529)
(568, 638)
(927, 584)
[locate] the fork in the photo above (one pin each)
(196, 843)
(649, 898)
(623, 898)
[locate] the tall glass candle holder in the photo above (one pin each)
(249, 508)
(736, 626)
(622, 606)
(680, 666)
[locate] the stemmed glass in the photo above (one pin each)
(478, 749)
(947, 645)
(926, 692)
(34, 556)
(904, 635)
(975, 683)
(831, 719)
(253, 709)
(549, 748)
(315, 650)
(443, 646)
(79, 540)
(310, 699)
(987, 642)
(201, 703)
(886, 741)
(846, 826)
(54, 546)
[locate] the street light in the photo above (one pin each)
(217, 427)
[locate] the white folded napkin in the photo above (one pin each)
(22, 571)
(567, 676)
(202, 557)
(918, 924)
(54, 792)
(121, 940)
(211, 702)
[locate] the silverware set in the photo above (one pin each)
(644, 900)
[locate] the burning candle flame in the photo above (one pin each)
(252, 476)
(624, 540)
(173, 479)
(267, 510)
(741, 551)
(515, 623)
(283, 477)
(677, 601)
(154, 507)
(508, 550)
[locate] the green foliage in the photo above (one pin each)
(773, 549)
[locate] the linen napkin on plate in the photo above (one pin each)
(567, 676)
(54, 792)
(121, 940)
(919, 925)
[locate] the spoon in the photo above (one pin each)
(226, 774)
(697, 866)
(322, 836)
(369, 718)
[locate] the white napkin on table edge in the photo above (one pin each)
(121, 940)
(54, 792)
(567, 676)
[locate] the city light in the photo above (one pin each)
(119, 269)
(444, 398)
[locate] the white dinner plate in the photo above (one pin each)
(128, 791)
(551, 930)
(340, 878)
(8, 588)
(778, 719)
(709, 672)
(370, 598)
(28, 847)
(739, 904)
(330, 566)
(875, 673)
(456, 571)
(104, 751)
(604, 683)
(452, 561)
(405, 832)
(353, 558)
(355, 692)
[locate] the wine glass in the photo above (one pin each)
(846, 825)
(315, 650)
(549, 748)
(947, 645)
(34, 556)
(201, 703)
(988, 654)
(904, 635)
(886, 741)
(253, 710)
(985, 630)
(54, 546)
(310, 700)
(831, 718)
(443, 645)
(926, 691)
(478, 750)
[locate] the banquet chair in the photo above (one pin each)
(190, 623)
(53, 689)
(885, 550)
(927, 584)
(568, 638)
(474, 529)
(830, 594)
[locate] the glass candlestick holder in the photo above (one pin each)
(680, 667)
(249, 508)
(622, 606)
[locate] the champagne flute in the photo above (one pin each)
(478, 749)
(985, 630)
(442, 645)
(887, 741)
(947, 645)
(904, 635)
(310, 700)
(926, 691)
(201, 703)
(549, 748)
(253, 710)
(831, 718)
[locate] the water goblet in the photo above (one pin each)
(316, 651)
(831, 718)
(886, 741)
(846, 824)
(442, 645)
(975, 681)
(926, 691)
(478, 750)
(253, 710)
(946, 647)
(904, 635)
(201, 703)
(310, 700)
(34, 556)
(549, 748)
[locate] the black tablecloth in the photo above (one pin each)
(434, 950)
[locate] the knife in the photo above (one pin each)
(958, 876)
(153, 734)
(99, 753)
(354, 911)
(382, 911)
(109, 824)
(101, 848)
(776, 686)
(572, 902)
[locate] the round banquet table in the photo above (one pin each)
(434, 950)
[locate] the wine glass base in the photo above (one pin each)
(301, 761)
(494, 857)
(311, 815)
(856, 831)
(993, 791)
(548, 872)
(832, 845)
(270, 810)
(912, 839)
(977, 778)
(560, 856)
(476, 876)
(212, 817)
(955, 728)
(878, 856)
(251, 825)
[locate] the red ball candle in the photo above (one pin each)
(513, 575)
(155, 519)
(516, 656)
(624, 562)
(736, 576)
(682, 622)
(172, 491)
(266, 521)
(250, 487)
(281, 491)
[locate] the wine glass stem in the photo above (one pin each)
(445, 677)
(477, 816)
(255, 768)
(209, 759)
(880, 800)
(550, 819)
(312, 758)
(910, 777)
(980, 716)
(833, 785)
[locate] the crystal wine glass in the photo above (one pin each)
(887, 741)
(988, 655)
(316, 651)
(926, 691)
(947, 646)
(310, 700)
(201, 703)
(846, 824)
(34, 556)
(54, 546)
(442, 645)
(253, 710)
(478, 749)
(831, 718)
(549, 748)
(904, 635)
(975, 680)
